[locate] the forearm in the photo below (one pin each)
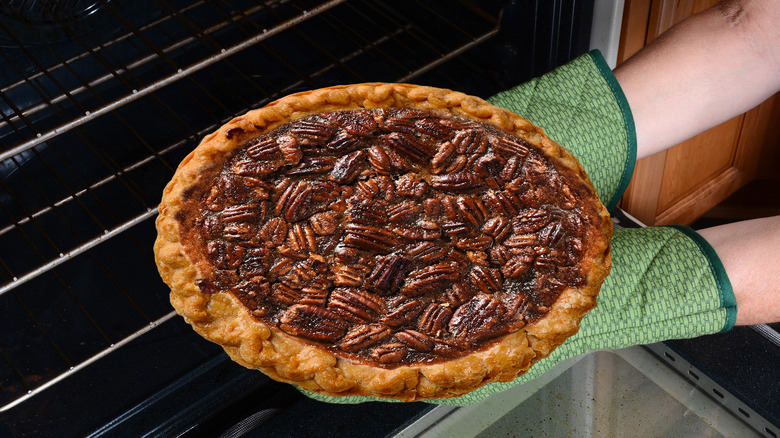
(750, 252)
(704, 71)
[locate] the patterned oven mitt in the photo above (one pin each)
(666, 282)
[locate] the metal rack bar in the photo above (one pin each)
(180, 74)
(76, 368)
(449, 56)
(64, 257)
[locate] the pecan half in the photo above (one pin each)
(435, 319)
(449, 348)
(530, 221)
(290, 149)
(316, 292)
(459, 294)
(279, 267)
(389, 353)
(324, 223)
(535, 169)
(252, 167)
(414, 232)
(312, 166)
(354, 122)
(409, 146)
(301, 237)
(379, 160)
(388, 273)
(517, 266)
(489, 166)
(479, 243)
(428, 252)
(368, 188)
(433, 207)
(253, 293)
(497, 227)
(434, 128)
(410, 185)
(398, 164)
(481, 318)
(299, 274)
(463, 182)
(225, 255)
(471, 210)
(509, 146)
(313, 130)
(503, 203)
(313, 322)
(294, 204)
(370, 237)
(486, 280)
(517, 311)
(512, 168)
(241, 213)
(404, 314)
(356, 305)
(521, 240)
(552, 259)
(430, 278)
(404, 211)
(470, 141)
(344, 142)
(415, 340)
(400, 124)
(284, 295)
(274, 231)
(348, 167)
(552, 234)
(348, 276)
(239, 231)
(254, 263)
(264, 149)
(456, 229)
(443, 157)
(367, 211)
(364, 336)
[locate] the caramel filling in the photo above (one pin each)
(392, 236)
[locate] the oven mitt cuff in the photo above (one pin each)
(581, 106)
(666, 283)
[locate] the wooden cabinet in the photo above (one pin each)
(682, 183)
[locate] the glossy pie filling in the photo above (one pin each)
(391, 236)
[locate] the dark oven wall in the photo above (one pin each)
(101, 99)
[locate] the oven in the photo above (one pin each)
(100, 101)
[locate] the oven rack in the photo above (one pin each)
(91, 136)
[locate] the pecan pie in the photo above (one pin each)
(383, 239)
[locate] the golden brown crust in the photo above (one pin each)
(222, 319)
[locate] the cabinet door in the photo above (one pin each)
(682, 183)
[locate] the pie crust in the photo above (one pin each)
(302, 345)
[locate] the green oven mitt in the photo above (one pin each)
(581, 106)
(666, 282)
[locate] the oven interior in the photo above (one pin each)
(101, 99)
